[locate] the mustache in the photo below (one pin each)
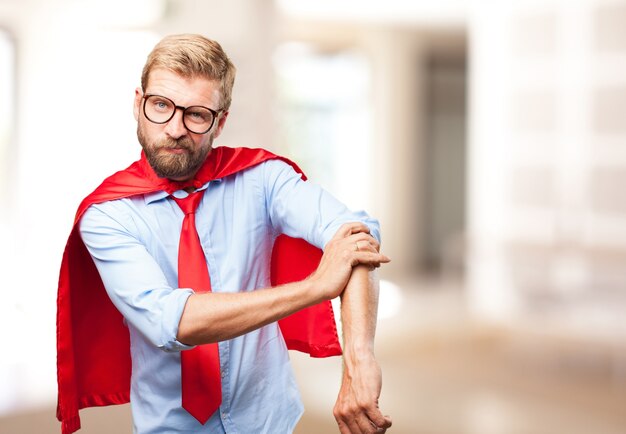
(182, 143)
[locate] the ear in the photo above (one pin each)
(221, 121)
(137, 104)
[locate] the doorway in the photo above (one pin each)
(445, 154)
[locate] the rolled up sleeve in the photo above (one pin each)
(133, 279)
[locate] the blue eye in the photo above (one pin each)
(161, 105)
(199, 115)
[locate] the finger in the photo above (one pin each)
(343, 428)
(388, 422)
(365, 425)
(351, 228)
(361, 229)
(364, 246)
(367, 238)
(354, 427)
(370, 245)
(378, 419)
(369, 258)
(347, 424)
(356, 238)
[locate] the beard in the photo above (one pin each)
(176, 166)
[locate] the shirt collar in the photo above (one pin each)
(159, 195)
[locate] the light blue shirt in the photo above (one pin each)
(134, 243)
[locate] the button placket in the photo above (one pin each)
(225, 407)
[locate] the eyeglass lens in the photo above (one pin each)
(159, 109)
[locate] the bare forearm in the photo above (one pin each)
(359, 307)
(214, 317)
(356, 409)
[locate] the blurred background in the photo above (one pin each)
(488, 137)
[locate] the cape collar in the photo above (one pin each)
(206, 173)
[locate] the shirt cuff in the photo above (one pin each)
(172, 312)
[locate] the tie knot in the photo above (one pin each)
(189, 204)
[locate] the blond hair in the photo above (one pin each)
(192, 55)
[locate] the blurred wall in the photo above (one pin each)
(405, 131)
(547, 226)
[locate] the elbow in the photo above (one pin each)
(192, 327)
(187, 332)
(184, 335)
(190, 335)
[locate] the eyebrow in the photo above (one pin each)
(149, 94)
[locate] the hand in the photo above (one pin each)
(356, 409)
(350, 246)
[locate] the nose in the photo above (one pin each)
(175, 128)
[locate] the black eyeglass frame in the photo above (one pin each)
(184, 109)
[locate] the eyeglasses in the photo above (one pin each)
(160, 110)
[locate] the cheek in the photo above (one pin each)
(200, 143)
(147, 139)
(148, 130)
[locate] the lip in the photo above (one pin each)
(174, 150)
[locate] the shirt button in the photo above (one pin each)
(224, 416)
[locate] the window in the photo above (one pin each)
(324, 116)
(7, 110)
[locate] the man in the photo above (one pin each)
(207, 354)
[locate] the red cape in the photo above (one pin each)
(93, 347)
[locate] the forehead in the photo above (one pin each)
(184, 91)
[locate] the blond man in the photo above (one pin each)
(201, 351)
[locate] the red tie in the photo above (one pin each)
(200, 366)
